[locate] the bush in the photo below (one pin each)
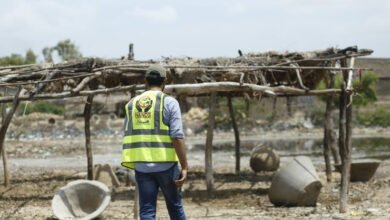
(42, 106)
(379, 117)
(364, 86)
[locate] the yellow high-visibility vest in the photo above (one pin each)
(146, 136)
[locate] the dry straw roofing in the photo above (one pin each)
(272, 73)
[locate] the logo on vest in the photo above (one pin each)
(143, 105)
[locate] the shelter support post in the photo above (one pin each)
(5, 167)
(345, 135)
(327, 150)
(344, 147)
(7, 117)
(329, 139)
(333, 140)
(209, 145)
(3, 152)
(87, 117)
(236, 134)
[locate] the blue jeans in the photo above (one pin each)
(148, 185)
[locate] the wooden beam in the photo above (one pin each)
(69, 94)
(87, 117)
(241, 68)
(209, 146)
(84, 82)
(186, 89)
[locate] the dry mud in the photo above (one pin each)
(39, 167)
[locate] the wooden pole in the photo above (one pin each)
(334, 147)
(327, 137)
(3, 152)
(209, 146)
(345, 138)
(3, 130)
(332, 139)
(343, 153)
(328, 130)
(5, 167)
(87, 117)
(236, 134)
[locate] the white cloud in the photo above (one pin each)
(164, 14)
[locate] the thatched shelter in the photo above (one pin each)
(255, 74)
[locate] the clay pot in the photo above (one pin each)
(264, 159)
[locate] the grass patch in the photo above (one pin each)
(379, 117)
(41, 106)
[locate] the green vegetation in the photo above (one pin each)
(41, 106)
(364, 86)
(66, 50)
(379, 117)
(17, 59)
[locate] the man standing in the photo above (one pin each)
(153, 143)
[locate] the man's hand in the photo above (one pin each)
(182, 178)
(178, 144)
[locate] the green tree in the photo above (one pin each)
(17, 59)
(65, 49)
(31, 58)
(13, 59)
(47, 54)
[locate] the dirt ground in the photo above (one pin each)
(41, 166)
(235, 197)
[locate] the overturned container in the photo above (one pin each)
(295, 184)
(264, 159)
(362, 170)
(81, 199)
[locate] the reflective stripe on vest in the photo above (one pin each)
(146, 136)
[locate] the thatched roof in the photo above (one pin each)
(276, 73)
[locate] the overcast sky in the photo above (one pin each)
(198, 28)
